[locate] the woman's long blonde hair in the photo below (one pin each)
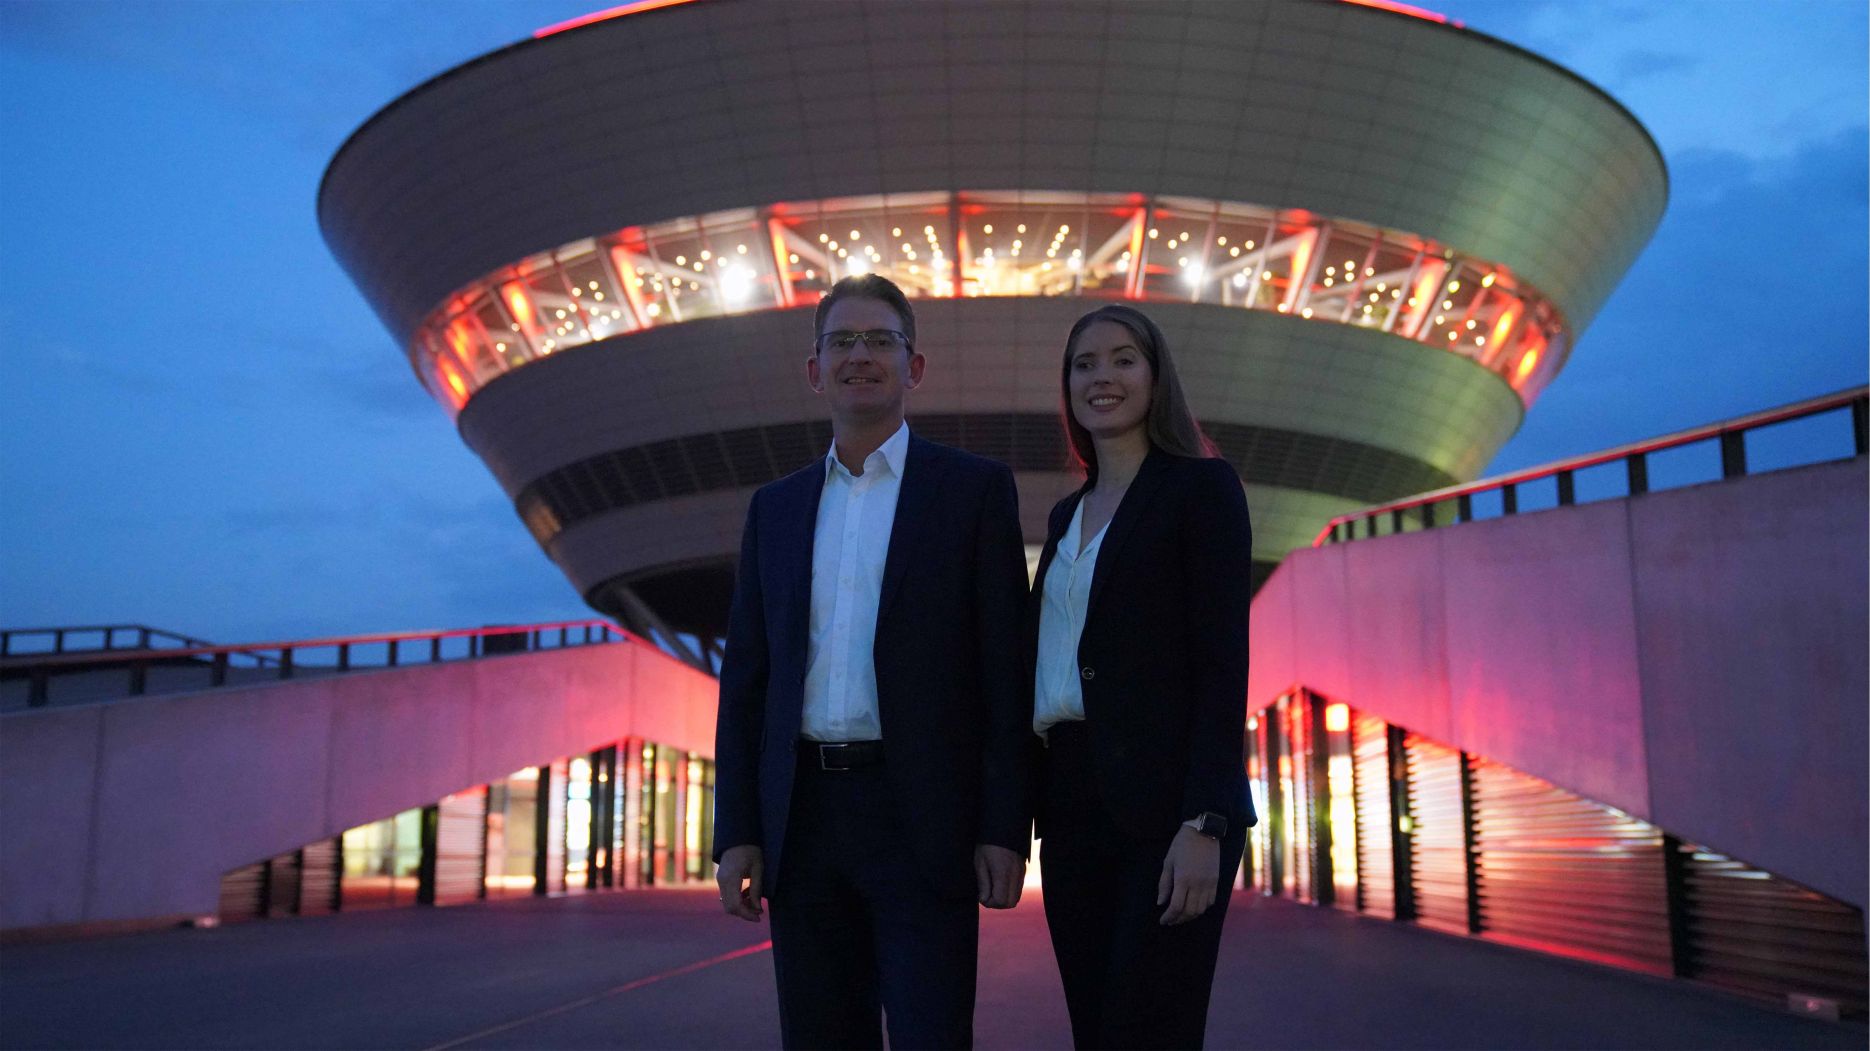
(1170, 425)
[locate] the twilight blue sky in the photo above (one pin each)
(202, 427)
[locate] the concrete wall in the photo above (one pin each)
(1696, 657)
(135, 809)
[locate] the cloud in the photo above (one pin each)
(1756, 79)
(1640, 65)
(1752, 295)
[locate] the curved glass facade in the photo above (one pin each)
(943, 245)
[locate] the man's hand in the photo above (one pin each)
(739, 880)
(1190, 875)
(999, 875)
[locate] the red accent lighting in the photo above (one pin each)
(606, 15)
(1408, 9)
(1526, 364)
(521, 306)
(457, 390)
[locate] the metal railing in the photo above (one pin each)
(104, 638)
(208, 666)
(1456, 503)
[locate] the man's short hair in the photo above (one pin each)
(867, 286)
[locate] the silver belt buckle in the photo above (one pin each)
(824, 754)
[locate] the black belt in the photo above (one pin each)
(841, 755)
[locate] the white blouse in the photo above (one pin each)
(1058, 696)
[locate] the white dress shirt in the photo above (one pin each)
(1058, 696)
(849, 546)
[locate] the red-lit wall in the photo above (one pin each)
(1694, 657)
(134, 810)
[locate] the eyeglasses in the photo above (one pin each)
(877, 340)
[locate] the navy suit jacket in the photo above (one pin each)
(1163, 656)
(952, 695)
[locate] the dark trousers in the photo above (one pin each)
(1129, 981)
(858, 930)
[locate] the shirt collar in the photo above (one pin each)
(895, 450)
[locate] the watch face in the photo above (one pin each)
(1213, 825)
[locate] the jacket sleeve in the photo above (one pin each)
(999, 604)
(741, 715)
(1217, 575)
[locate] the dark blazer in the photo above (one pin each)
(1163, 655)
(951, 694)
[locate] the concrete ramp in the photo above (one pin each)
(133, 811)
(1695, 657)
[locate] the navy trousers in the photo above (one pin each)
(1129, 981)
(859, 933)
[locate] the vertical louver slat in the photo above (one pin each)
(1767, 937)
(282, 885)
(1295, 768)
(1376, 886)
(242, 893)
(1439, 835)
(555, 828)
(1566, 875)
(1272, 831)
(633, 813)
(461, 847)
(318, 878)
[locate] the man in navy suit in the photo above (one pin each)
(872, 735)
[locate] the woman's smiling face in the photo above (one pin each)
(1111, 381)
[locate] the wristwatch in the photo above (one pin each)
(1208, 824)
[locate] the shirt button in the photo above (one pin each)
(1088, 672)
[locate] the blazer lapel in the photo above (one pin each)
(799, 520)
(1131, 508)
(915, 497)
(1055, 528)
(1054, 533)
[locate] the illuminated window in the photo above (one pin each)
(1025, 243)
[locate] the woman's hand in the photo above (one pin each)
(1191, 875)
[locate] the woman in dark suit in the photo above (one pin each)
(1137, 631)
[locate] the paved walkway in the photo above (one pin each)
(664, 969)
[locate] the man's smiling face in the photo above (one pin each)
(864, 385)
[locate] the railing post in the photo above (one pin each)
(1509, 498)
(58, 641)
(435, 650)
(344, 656)
(1396, 521)
(285, 662)
(41, 689)
(473, 646)
(1638, 465)
(392, 655)
(1733, 454)
(1860, 424)
(142, 638)
(139, 678)
(1428, 516)
(1567, 489)
(1464, 507)
(217, 676)
(564, 636)
(587, 633)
